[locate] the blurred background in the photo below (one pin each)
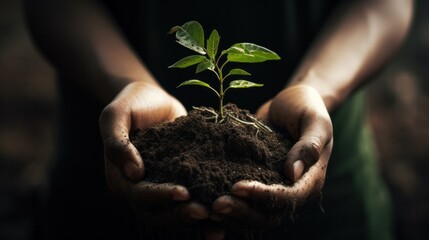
(398, 106)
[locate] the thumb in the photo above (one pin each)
(114, 128)
(316, 134)
(300, 157)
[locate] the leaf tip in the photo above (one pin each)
(173, 29)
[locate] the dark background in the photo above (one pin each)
(398, 106)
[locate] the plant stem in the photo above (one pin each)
(221, 92)
(221, 103)
(221, 78)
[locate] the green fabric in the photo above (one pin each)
(354, 154)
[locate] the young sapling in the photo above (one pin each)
(191, 36)
(212, 149)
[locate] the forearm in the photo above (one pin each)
(353, 46)
(84, 46)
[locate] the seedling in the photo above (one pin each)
(191, 36)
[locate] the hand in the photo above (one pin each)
(301, 111)
(141, 105)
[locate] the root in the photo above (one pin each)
(259, 123)
(210, 111)
(231, 118)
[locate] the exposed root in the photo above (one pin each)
(210, 111)
(231, 118)
(259, 123)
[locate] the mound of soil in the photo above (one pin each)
(209, 157)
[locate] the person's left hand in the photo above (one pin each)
(302, 113)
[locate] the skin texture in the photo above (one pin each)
(360, 37)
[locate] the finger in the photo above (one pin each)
(276, 194)
(298, 169)
(143, 192)
(147, 192)
(116, 181)
(308, 185)
(139, 105)
(192, 211)
(289, 108)
(316, 133)
(238, 209)
(114, 126)
(259, 191)
(307, 151)
(151, 104)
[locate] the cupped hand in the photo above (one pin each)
(302, 113)
(141, 105)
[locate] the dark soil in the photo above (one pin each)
(209, 157)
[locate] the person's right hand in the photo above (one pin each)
(141, 105)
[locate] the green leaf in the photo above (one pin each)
(249, 53)
(196, 31)
(191, 35)
(204, 65)
(243, 84)
(188, 61)
(197, 82)
(213, 44)
(238, 71)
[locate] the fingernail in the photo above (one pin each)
(223, 207)
(131, 170)
(298, 169)
(239, 192)
(197, 211)
(180, 195)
